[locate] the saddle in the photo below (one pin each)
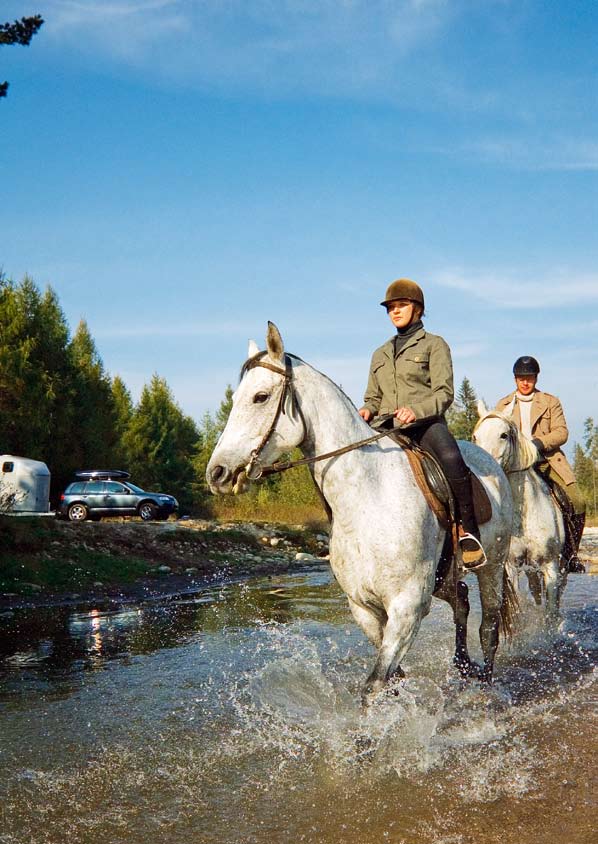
(432, 481)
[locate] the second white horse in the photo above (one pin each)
(538, 536)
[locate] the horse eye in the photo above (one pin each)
(260, 398)
(504, 436)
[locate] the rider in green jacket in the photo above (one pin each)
(411, 377)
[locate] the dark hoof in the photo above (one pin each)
(485, 676)
(466, 667)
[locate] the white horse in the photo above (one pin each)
(385, 541)
(538, 536)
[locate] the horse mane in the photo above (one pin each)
(523, 454)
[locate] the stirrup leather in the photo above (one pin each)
(473, 558)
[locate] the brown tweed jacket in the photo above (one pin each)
(548, 426)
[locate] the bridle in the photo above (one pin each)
(287, 378)
(287, 389)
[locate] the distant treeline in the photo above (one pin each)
(59, 405)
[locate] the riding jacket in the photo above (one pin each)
(419, 375)
(548, 427)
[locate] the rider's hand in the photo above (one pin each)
(404, 415)
(366, 414)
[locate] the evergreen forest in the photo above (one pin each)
(59, 405)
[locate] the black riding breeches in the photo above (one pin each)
(436, 438)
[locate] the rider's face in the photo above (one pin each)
(401, 312)
(526, 384)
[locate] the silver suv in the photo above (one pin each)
(98, 493)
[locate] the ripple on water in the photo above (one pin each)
(255, 733)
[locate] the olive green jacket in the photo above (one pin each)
(548, 425)
(420, 377)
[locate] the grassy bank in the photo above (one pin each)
(45, 556)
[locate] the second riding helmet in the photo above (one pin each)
(526, 365)
(403, 288)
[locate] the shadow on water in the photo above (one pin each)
(234, 716)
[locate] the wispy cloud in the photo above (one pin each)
(518, 290)
(532, 152)
(331, 47)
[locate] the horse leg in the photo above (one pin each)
(491, 593)
(371, 622)
(458, 598)
(404, 619)
(552, 586)
(535, 586)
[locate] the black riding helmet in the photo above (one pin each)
(526, 365)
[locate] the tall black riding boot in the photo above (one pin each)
(574, 564)
(469, 534)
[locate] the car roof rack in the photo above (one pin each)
(102, 474)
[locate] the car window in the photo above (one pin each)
(76, 489)
(94, 487)
(8, 466)
(135, 488)
(113, 486)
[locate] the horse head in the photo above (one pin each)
(264, 422)
(497, 433)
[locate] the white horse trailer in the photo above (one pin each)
(24, 485)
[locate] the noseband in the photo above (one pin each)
(287, 376)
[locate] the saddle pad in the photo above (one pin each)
(481, 503)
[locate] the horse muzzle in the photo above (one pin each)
(222, 480)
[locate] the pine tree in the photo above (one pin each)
(36, 374)
(161, 443)
(463, 415)
(591, 454)
(97, 435)
(123, 414)
(20, 32)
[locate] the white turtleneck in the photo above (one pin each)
(525, 413)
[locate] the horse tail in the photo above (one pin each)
(510, 607)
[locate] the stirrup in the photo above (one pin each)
(473, 558)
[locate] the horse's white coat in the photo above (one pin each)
(538, 531)
(385, 541)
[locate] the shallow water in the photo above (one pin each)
(233, 716)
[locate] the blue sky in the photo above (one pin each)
(181, 171)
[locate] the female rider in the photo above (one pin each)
(411, 377)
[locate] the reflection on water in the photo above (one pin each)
(234, 716)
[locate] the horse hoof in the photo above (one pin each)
(466, 667)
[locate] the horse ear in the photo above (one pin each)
(274, 343)
(253, 349)
(482, 409)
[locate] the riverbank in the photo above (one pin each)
(47, 562)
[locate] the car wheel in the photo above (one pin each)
(77, 512)
(147, 511)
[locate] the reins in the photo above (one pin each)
(283, 465)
